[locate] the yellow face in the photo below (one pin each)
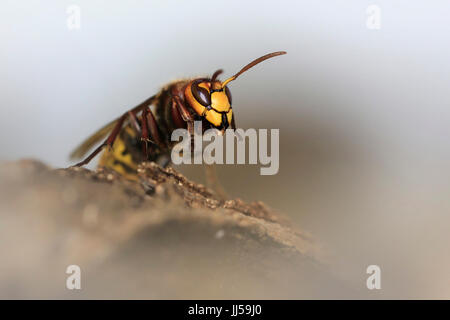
(211, 102)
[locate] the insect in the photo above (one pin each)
(144, 134)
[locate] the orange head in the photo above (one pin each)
(211, 98)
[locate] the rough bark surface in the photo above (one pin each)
(161, 237)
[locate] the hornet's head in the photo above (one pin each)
(211, 98)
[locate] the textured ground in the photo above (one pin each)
(162, 237)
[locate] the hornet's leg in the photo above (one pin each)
(182, 109)
(210, 170)
(149, 128)
(212, 181)
(108, 142)
(186, 116)
(153, 127)
(233, 126)
(135, 123)
(145, 137)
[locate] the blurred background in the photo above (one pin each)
(363, 113)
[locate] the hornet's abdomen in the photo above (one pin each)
(123, 157)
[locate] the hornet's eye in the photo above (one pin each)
(201, 95)
(228, 93)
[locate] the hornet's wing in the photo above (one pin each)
(87, 144)
(101, 134)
